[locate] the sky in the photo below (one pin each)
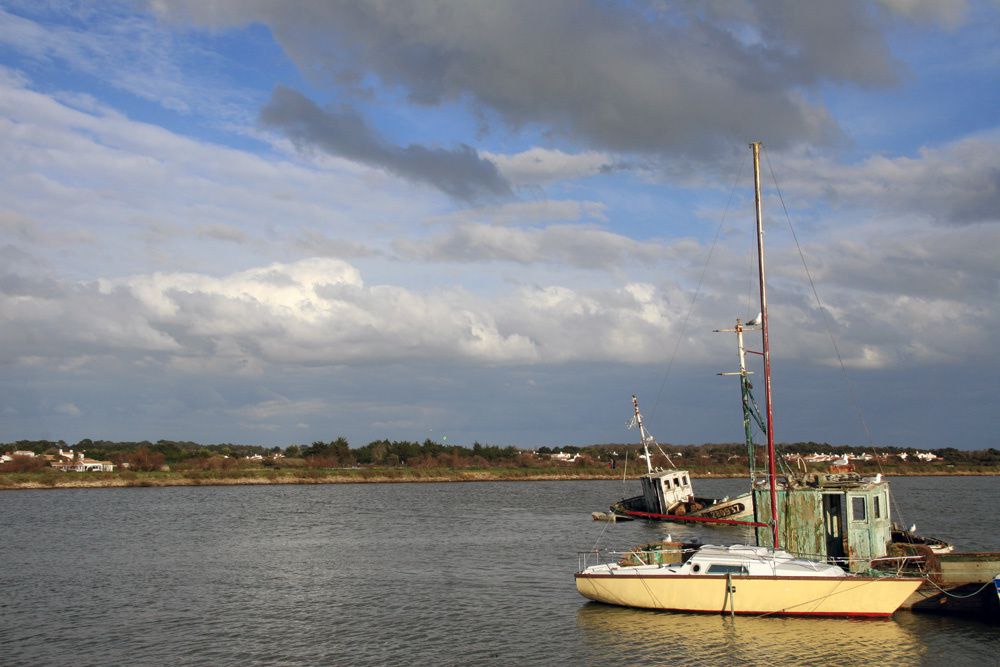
(274, 223)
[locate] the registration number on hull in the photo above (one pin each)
(723, 512)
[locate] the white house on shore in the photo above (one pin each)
(76, 462)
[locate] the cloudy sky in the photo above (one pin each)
(273, 223)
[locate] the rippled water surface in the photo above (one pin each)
(425, 574)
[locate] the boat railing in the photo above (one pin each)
(669, 555)
(884, 566)
(651, 556)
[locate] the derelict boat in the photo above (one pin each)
(667, 495)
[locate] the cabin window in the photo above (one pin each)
(876, 509)
(858, 508)
(724, 568)
(686, 480)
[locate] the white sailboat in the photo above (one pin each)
(745, 579)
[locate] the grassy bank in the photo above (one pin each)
(51, 479)
(54, 479)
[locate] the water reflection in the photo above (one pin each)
(636, 637)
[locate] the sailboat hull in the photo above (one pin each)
(786, 596)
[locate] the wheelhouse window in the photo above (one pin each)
(876, 507)
(858, 509)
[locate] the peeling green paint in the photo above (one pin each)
(828, 516)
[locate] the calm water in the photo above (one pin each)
(400, 574)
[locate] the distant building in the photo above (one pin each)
(840, 459)
(77, 462)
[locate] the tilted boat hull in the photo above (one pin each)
(787, 596)
(739, 508)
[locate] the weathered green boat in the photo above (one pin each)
(841, 517)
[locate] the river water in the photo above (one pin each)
(409, 574)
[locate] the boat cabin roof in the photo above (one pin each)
(679, 477)
(737, 560)
(760, 561)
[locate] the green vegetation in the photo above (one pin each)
(164, 462)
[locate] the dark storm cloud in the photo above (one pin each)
(638, 77)
(459, 172)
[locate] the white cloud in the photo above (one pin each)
(131, 52)
(320, 312)
(137, 195)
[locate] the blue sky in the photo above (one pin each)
(276, 223)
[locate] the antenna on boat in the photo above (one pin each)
(771, 468)
(751, 413)
(645, 437)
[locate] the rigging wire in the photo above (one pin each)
(697, 292)
(819, 304)
(825, 317)
(600, 537)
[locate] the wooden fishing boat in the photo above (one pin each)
(668, 495)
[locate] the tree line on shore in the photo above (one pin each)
(146, 455)
(731, 457)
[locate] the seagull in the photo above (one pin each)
(913, 528)
(755, 321)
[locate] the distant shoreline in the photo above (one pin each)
(71, 480)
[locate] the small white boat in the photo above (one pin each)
(743, 580)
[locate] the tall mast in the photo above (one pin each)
(771, 467)
(645, 437)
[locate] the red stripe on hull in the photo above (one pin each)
(736, 579)
(820, 614)
(703, 519)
